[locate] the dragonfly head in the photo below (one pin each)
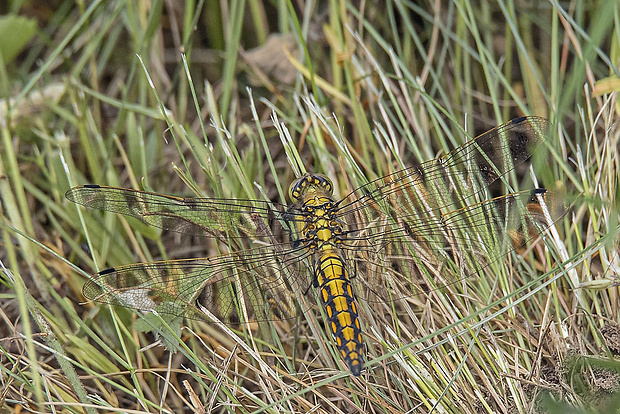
(310, 185)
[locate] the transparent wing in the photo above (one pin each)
(439, 213)
(195, 216)
(400, 260)
(250, 285)
(449, 182)
(221, 284)
(257, 284)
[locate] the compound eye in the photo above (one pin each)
(327, 184)
(310, 184)
(298, 187)
(321, 180)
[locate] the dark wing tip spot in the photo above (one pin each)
(91, 186)
(536, 192)
(518, 120)
(107, 271)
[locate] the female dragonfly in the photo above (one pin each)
(383, 233)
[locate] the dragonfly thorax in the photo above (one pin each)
(317, 223)
(320, 227)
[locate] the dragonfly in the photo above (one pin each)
(371, 245)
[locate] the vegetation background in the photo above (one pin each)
(235, 99)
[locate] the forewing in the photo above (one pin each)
(448, 183)
(195, 216)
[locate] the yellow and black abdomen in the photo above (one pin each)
(337, 297)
